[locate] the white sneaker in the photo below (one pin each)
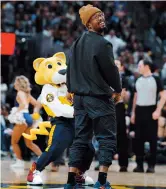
(89, 181)
(19, 164)
(34, 177)
(84, 179)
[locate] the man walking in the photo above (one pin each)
(145, 114)
(93, 77)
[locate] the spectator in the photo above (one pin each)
(163, 72)
(4, 89)
(6, 138)
(122, 141)
(116, 42)
(3, 127)
(71, 14)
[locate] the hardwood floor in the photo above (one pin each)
(16, 178)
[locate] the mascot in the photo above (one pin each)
(51, 73)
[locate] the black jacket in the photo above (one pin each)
(91, 68)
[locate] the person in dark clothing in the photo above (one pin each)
(122, 141)
(93, 77)
(145, 114)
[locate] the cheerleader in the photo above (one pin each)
(22, 119)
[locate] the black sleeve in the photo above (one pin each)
(109, 70)
(68, 72)
(160, 86)
(124, 82)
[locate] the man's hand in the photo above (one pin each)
(70, 97)
(123, 93)
(132, 118)
(156, 114)
(116, 97)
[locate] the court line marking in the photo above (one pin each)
(51, 183)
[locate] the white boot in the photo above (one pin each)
(19, 164)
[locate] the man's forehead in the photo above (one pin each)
(98, 13)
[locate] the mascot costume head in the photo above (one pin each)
(50, 70)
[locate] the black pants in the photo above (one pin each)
(93, 115)
(146, 130)
(122, 141)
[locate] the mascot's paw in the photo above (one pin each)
(41, 131)
(35, 116)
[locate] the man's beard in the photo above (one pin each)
(103, 30)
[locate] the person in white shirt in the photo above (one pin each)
(116, 42)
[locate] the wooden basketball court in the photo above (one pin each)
(16, 179)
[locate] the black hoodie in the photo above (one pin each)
(91, 68)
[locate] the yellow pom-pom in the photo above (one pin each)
(35, 116)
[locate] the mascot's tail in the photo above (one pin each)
(41, 131)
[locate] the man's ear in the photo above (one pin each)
(37, 62)
(87, 26)
(61, 56)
